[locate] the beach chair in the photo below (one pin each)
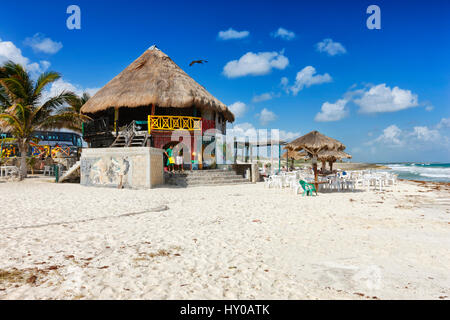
(308, 188)
(48, 170)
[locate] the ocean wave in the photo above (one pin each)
(422, 171)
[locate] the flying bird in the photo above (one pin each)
(197, 61)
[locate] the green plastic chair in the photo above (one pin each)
(308, 188)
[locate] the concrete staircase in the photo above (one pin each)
(204, 178)
(136, 140)
(73, 174)
(131, 137)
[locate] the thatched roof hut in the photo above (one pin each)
(295, 155)
(314, 142)
(154, 79)
(332, 155)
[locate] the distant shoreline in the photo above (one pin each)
(351, 166)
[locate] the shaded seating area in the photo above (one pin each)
(317, 147)
(341, 181)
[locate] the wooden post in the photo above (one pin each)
(331, 165)
(316, 184)
(271, 158)
(287, 160)
(235, 150)
(279, 157)
(257, 150)
(246, 149)
(116, 120)
(152, 112)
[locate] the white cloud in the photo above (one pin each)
(45, 65)
(444, 123)
(330, 47)
(41, 44)
(255, 64)
(232, 34)
(238, 108)
(418, 141)
(306, 78)
(332, 111)
(263, 97)
(381, 98)
(391, 135)
(245, 129)
(242, 130)
(91, 91)
(61, 85)
(266, 116)
(289, 135)
(425, 134)
(8, 51)
(283, 34)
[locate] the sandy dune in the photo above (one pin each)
(229, 242)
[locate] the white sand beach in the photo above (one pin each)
(66, 241)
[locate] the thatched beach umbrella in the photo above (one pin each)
(332, 156)
(313, 143)
(154, 79)
(294, 155)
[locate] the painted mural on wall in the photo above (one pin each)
(106, 171)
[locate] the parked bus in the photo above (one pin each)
(47, 144)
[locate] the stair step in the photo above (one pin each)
(216, 178)
(221, 183)
(205, 178)
(210, 176)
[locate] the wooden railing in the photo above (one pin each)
(95, 126)
(172, 123)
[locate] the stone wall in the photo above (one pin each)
(136, 167)
(157, 168)
(241, 168)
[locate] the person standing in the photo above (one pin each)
(170, 160)
(179, 161)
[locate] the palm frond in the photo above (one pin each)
(68, 120)
(45, 79)
(15, 88)
(5, 102)
(54, 102)
(24, 86)
(11, 123)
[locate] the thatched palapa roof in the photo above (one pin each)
(332, 155)
(154, 79)
(314, 142)
(302, 155)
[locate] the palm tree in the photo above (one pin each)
(73, 111)
(25, 109)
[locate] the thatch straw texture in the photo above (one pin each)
(295, 155)
(154, 79)
(332, 155)
(314, 142)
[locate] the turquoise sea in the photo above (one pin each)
(439, 172)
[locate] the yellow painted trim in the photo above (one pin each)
(172, 123)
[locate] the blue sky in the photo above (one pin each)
(384, 93)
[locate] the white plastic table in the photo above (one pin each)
(7, 170)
